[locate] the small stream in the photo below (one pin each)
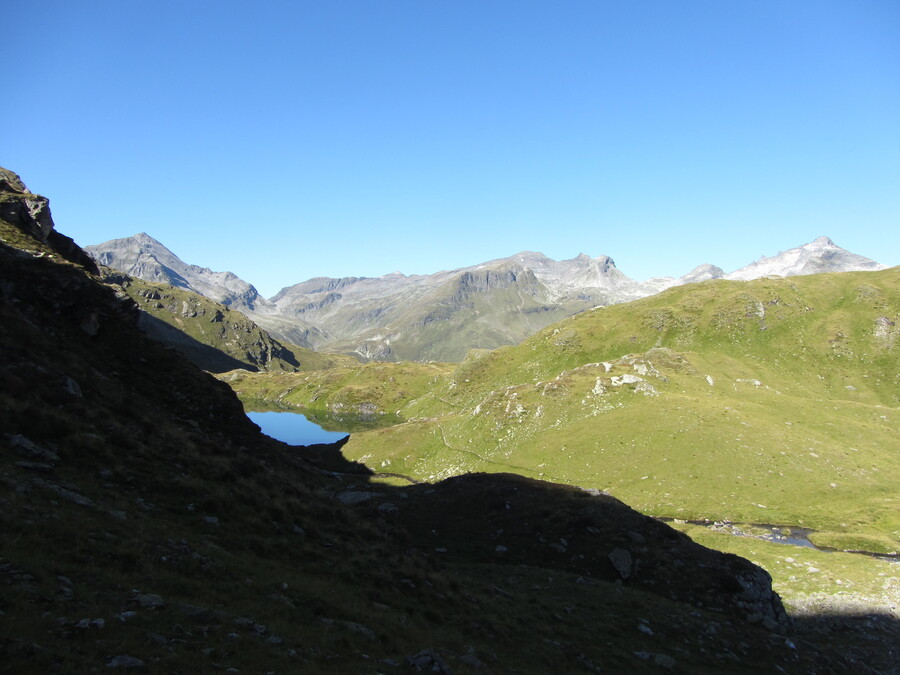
(778, 534)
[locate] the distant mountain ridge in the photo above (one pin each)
(442, 316)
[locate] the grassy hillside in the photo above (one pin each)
(766, 401)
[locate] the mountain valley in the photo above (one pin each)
(149, 525)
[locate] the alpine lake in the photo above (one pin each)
(309, 427)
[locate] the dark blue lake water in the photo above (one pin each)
(293, 428)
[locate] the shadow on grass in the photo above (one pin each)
(515, 522)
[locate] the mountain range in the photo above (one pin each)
(442, 316)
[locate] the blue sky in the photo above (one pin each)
(286, 140)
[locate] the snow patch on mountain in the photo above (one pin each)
(821, 255)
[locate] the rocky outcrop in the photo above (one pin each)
(30, 214)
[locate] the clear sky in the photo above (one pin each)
(283, 140)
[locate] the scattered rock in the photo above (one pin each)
(627, 378)
(352, 626)
(661, 660)
(428, 660)
(125, 661)
(148, 600)
(69, 495)
(636, 537)
(664, 661)
(355, 496)
(201, 615)
(472, 661)
(72, 387)
(35, 466)
(25, 447)
(90, 324)
(646, 389)
(621, 560)
(594, 492)
(158, 639)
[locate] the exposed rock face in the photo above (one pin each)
(30, 213)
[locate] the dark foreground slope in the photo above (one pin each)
(147, 524)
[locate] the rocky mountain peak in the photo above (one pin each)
(145, 239)
(818, 256)
(703, 272)
(142, 256)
